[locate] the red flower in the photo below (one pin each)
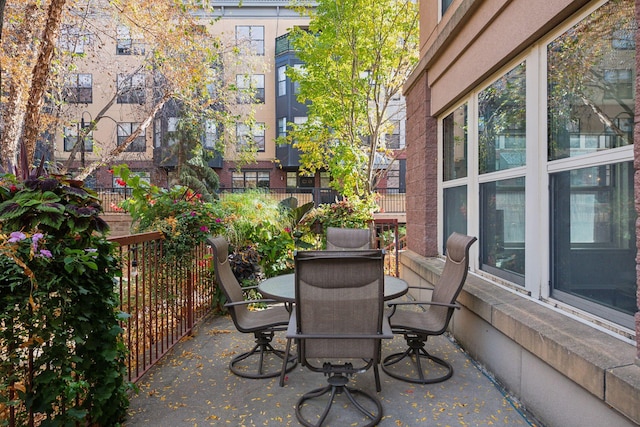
(121, 182)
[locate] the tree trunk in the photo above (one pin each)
(31, 129)
(14, 109)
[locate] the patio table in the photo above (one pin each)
(282, 288)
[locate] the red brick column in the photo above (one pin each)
(636, 181)
(421, 176)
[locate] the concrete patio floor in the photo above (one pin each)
(192, 386)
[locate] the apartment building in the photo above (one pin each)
(521, 121)
(259, 28)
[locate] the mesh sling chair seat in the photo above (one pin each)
(338, 323)
(412, 365)
(262, 323)
(348, 238)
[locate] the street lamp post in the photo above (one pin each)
(81, 132)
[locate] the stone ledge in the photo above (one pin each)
(598, 362)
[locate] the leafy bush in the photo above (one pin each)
(58, 306)
(347, 213)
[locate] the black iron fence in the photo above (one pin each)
(390, 200)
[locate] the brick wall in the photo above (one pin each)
(636, 181)
(422, 179)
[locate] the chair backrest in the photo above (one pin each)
(227, 280)
(453, 276)
(339, 293)
(348, 238)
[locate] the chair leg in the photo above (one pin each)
(416, 352)
(285, 361)
(263, 347)
(338, 386)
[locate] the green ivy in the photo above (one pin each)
(58, 305)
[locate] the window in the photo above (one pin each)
(157, 133)
(592, 215)
(250, 88)
(250, 137)
(74, 39)
(131, 89)
(444, 4)
(282, 80)
(502, 228)
(560, 224)
(125, 44)
(618, 84)
(251, 37)
(454, 167)
(501, 123)
(454, 139)
(250, 179)
(292, 179)
(282, 126)
(210, 134)
(172, 128)
(572, 97)
(594, 236)
(71, 137)
(300, 71)
(125, 129)
(455, 211)
(393, 138)
(78, 89)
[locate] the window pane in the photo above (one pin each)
(454, 139)
(455, 211)
(594, 235)
(591, 74)
(502, 228)
(282, 80)
(501, 123)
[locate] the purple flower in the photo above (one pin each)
(193, 213)
(34, 240)
(204, 228)
(16, 236)
(45, 253)
(218, 220)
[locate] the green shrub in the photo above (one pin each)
(58, 306)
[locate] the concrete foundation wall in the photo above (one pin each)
(564, 372)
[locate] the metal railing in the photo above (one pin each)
(110, 198)
(391, 200)
(162, 298)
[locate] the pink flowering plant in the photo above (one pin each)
(58, 308)
(184, 217)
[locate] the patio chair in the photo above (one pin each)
(348, 238)
(262, 323)
(418, 325)
(338, 323)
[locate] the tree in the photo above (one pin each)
(357, 55)
(180, 60)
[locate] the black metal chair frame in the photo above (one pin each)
(263, 324)
(416, 336)
(339, 374)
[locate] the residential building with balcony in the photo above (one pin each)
(260, 31)
(521, 121)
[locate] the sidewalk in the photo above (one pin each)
(192, 386)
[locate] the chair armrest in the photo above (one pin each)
(440, 304)
(425, 288)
